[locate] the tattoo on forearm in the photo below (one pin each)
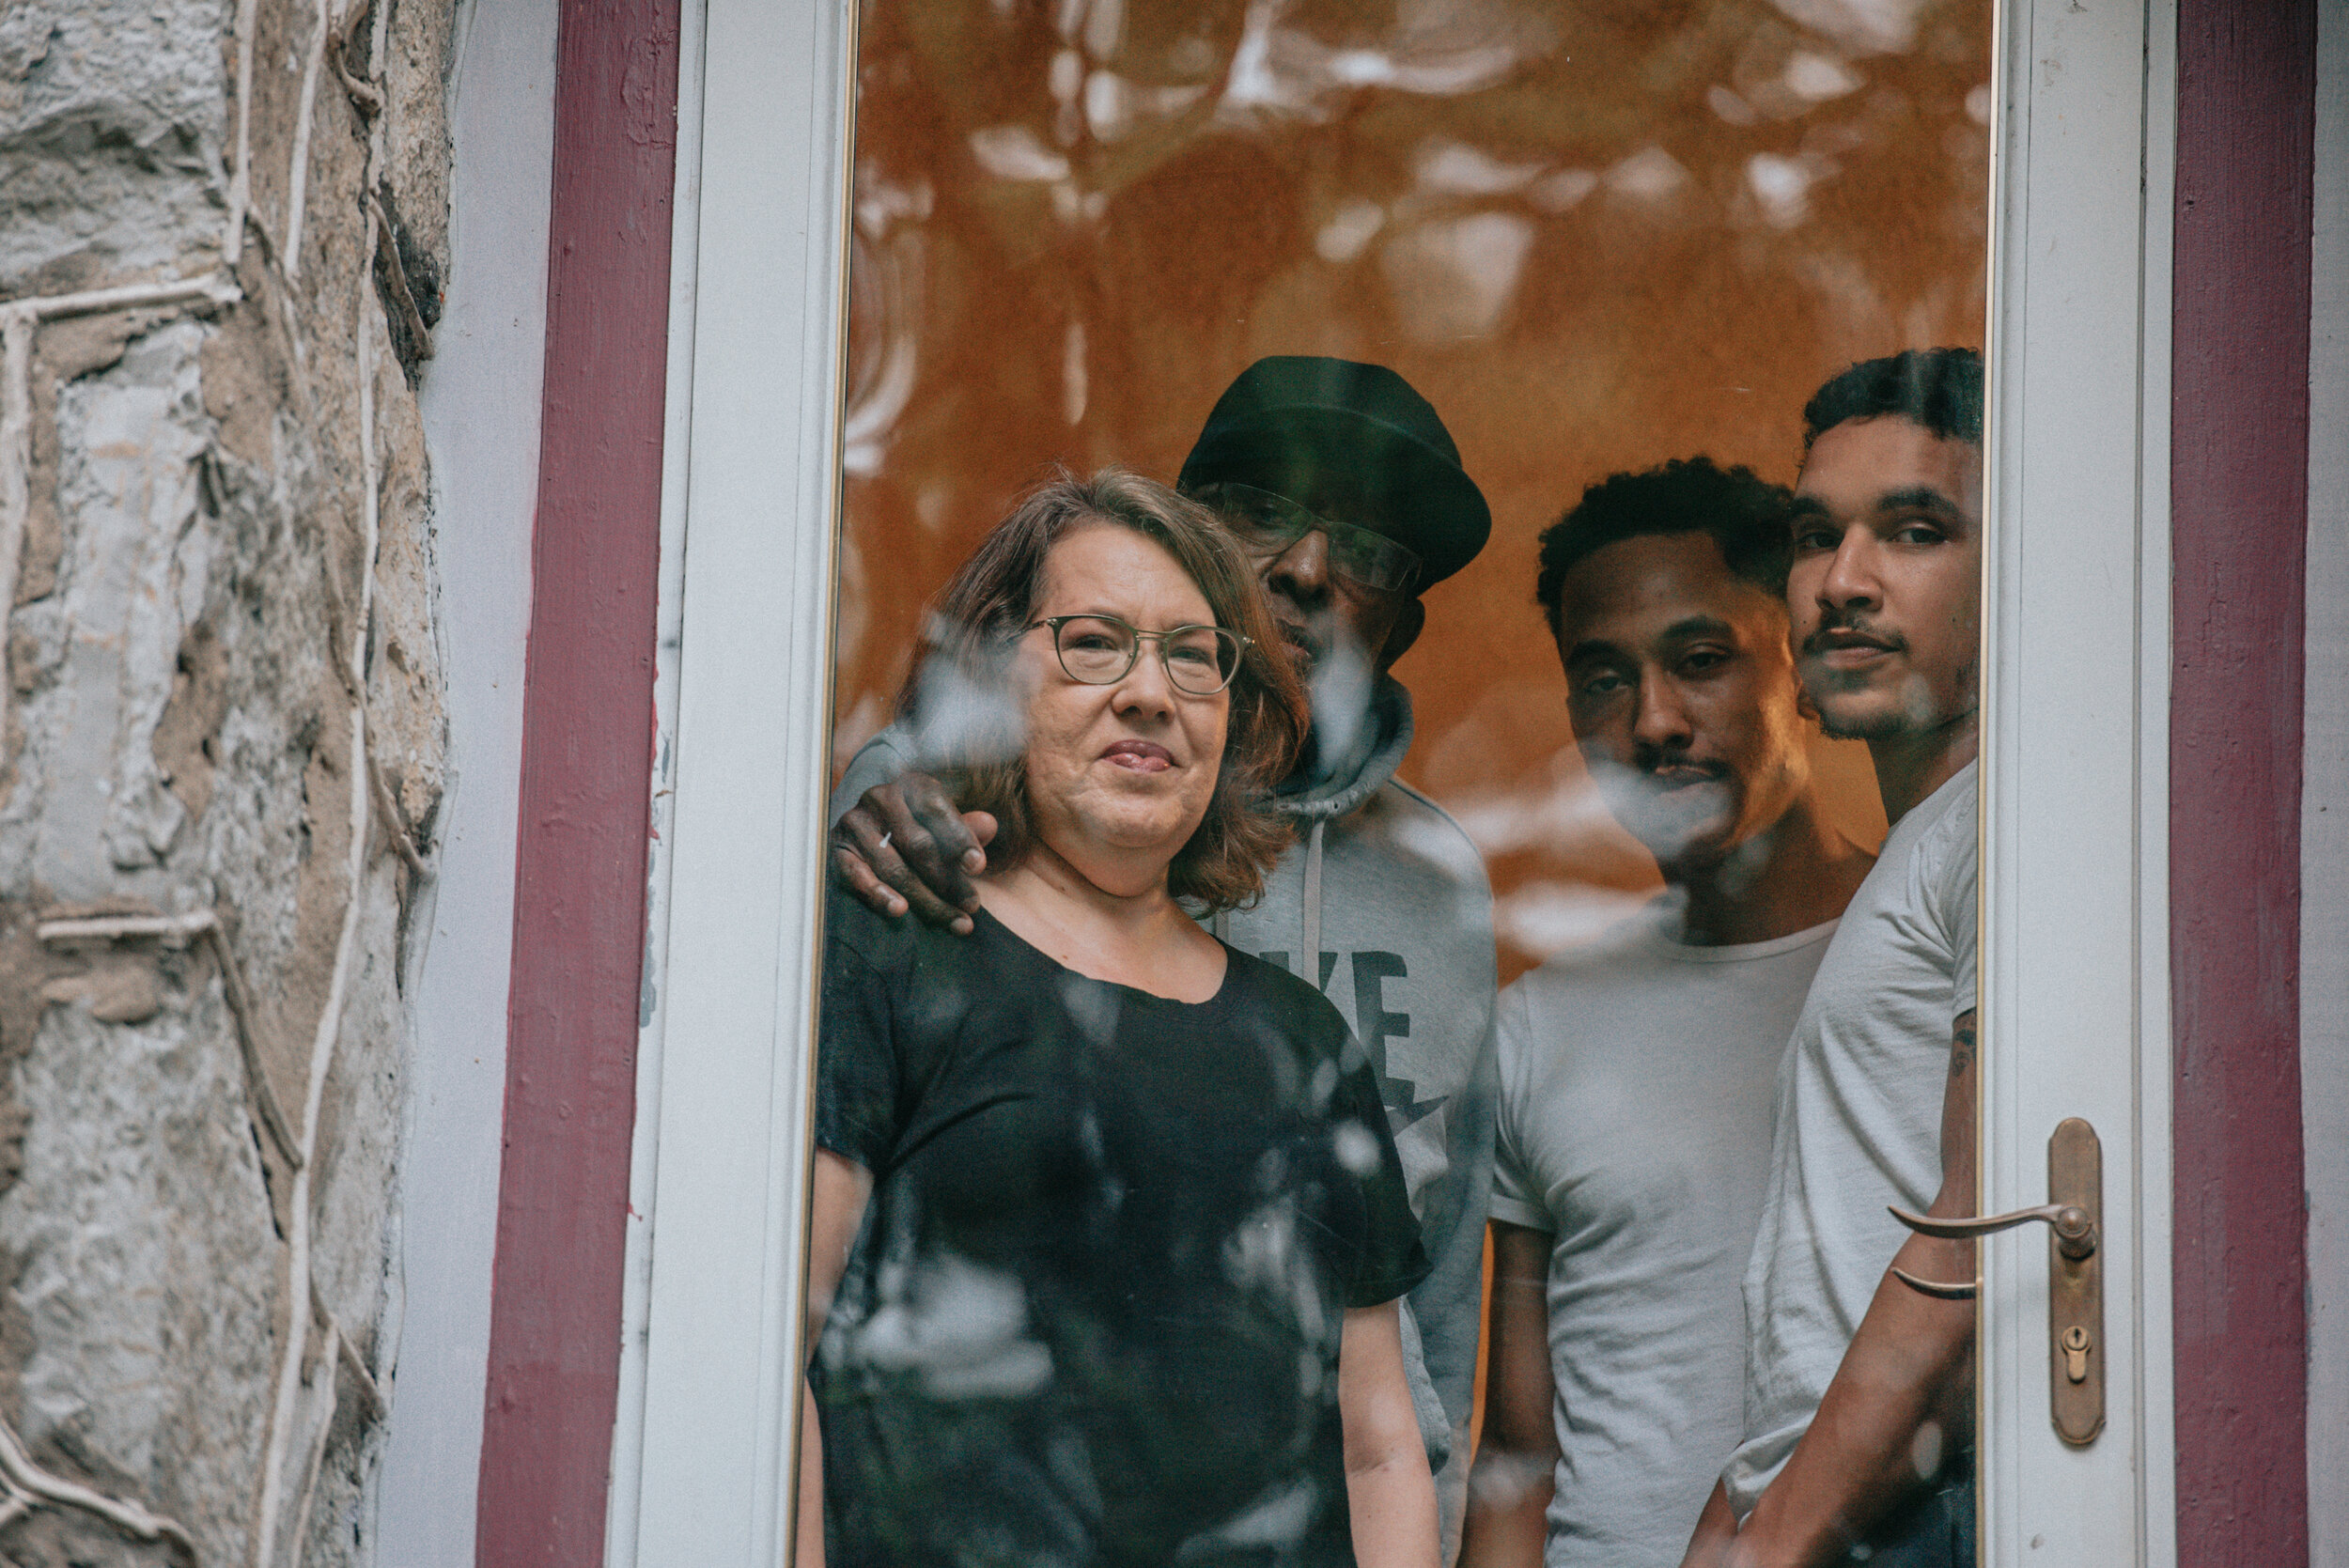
(1962, 1050)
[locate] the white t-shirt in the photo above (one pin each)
(1636, 1086)
(1858, 1121)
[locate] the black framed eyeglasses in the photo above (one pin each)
(1098, 650)
(1267, 524)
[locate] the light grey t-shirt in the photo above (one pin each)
(1636, 1086)
(1858, 1121)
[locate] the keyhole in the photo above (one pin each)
(2076, 1353)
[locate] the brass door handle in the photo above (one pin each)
(2074, 1226)
(2076, 1292)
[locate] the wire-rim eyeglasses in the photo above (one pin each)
(1101, 650)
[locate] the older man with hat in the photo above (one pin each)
(1347, 490)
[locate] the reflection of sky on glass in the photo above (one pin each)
(1596, 235)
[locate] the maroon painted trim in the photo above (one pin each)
(587, 727)
(2238, 475)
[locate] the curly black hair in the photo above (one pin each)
(1745, 514)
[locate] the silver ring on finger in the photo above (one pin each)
(885, 838)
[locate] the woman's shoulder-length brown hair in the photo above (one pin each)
(957, 696)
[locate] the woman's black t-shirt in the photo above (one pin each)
(1093, 1314)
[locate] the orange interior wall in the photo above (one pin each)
(1594, 234)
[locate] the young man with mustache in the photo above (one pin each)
(1858, 1386)
(1346, 489)
(1636, 1078)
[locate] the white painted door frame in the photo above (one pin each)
(704, 1439)
(2074, 974)
(2076, 797)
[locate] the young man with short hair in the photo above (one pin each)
(1636, 1079)
(1858, 1384)
(1346, 488)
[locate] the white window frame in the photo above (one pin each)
(2075, 780)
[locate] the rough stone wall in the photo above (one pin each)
(206, 860)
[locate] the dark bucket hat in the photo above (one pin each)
(1363, 423)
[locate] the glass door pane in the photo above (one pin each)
(1518, 315)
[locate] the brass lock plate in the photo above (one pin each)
(2076, 1288)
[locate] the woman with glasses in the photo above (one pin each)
(1108, 1225)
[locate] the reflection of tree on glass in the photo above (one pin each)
(1109, 1229)
(1858, 1386)
(1587, 231)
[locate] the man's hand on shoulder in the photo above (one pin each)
(903, 845)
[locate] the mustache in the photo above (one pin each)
(1647, 762)
(1853, 623)
(1291, 632)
